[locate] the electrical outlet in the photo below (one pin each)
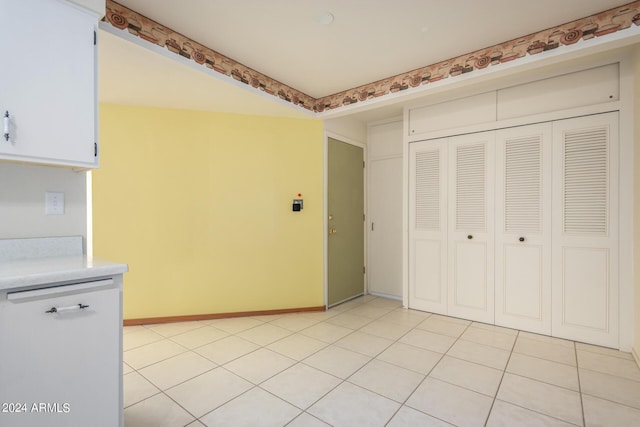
(53, 203)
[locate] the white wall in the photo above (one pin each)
(22, 192)
(348, 128)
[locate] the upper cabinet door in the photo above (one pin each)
(428, 226)
(471, 223)
(47, 83)
(523, 228)
(585, 229)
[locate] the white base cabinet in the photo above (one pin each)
(48, 83)
(537, 250)
(61, 355)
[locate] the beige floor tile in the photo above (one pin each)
(301, 385)
(494, 328)
(443, 327)
(294, 322)
(406, 317)
(547, 339)
(129, 329)
(452, 319)
(337, 361)
(349, 405)
(428, 340)
(196, 423)
(388, 380)
(259, 365)
(385, 303)
(306, 420)
(410, 357)
(488, 337)
(362, 343)
(206, 392)
(149, 354)
(540, 397)
(226, 349)
(320, 315)
(478, 353)
(609, 365)
(199, 337)
(126, 368)
(297, 346)
(264, 334)
(170, 329)
(254, 408)
(350, 321)
(504, 414)
(544, 370)
(453, 404)
(345, 306)
(384, 329)
(369, 311)
(139, 337)
(598, 412)
(546, 350)
(326, 332)
(136, 388)
(157, 411)
(177, 369)
(604, 350)
(408, 417)
(609, 387)
(469, 375)
(234, 325)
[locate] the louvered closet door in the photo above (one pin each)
(428, 226)
(523, 228)
(471, 239)
(585, 229)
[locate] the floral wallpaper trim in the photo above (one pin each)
(597, 25)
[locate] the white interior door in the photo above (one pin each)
(585, 229)
(428, 226)
(523, 228)
(471, 238)
(385, 231)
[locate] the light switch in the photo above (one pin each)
(53, 203)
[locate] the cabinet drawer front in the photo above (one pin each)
(67, 359)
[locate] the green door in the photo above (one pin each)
(346, 222)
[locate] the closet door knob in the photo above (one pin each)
(521, 239)
(469, 237)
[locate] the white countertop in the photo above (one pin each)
(17, 274)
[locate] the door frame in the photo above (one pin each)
(325, 206)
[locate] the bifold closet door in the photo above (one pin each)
(585, 229)
(523, 228)
(471, 230)
(428, 226)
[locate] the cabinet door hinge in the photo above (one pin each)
(364, 270)
(363, 165)
(95, 149)
(95, 38)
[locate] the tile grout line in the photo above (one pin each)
(504, 371)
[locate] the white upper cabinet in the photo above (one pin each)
(48, 83)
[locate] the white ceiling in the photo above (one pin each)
(368, 41)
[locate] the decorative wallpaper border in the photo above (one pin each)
(597, 25)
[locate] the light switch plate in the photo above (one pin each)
(53, 203)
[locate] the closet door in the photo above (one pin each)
(585, 229)
(428, 226)
(471, 238)
(523, 228)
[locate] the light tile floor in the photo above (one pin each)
(370, 362)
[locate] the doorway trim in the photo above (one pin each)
(325, 206)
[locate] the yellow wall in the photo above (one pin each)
(199, 205)
(636, 208)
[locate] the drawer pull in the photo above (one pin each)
(65, 309)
